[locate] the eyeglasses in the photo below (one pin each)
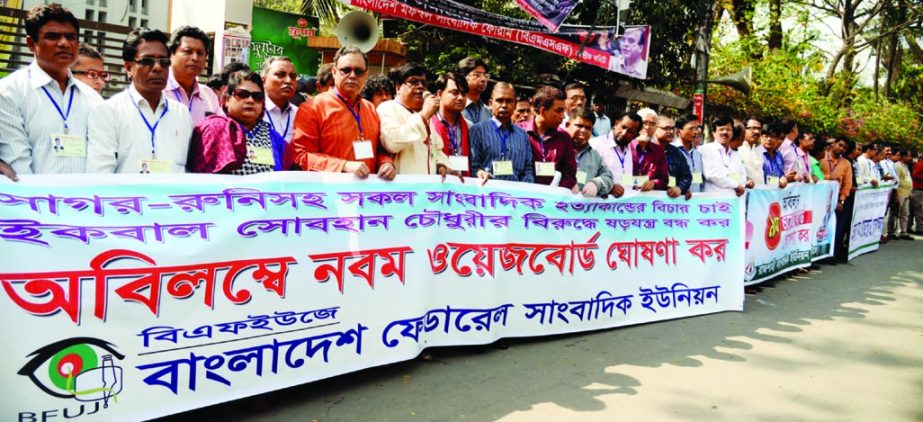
(243, 94)
(665, 128)
(756, 128)
(479, 75)
(93, 74)
(415, 81)
(345, 71)
(164, 62)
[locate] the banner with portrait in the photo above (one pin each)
(142, 296)
(550, 13)
(787, 229)
(626, 53)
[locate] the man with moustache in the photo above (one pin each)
(593, 177)
(773, 170)
(837, 168)
(552, 147)
(690, 134)
(405, 129)
(680, 177)
(475, 71)
(650, 162)
(448, 123)
(141, 125)
(279, 80)
(44, 101)
(523, 111)
(338, 131)
(188, 56)
(723, 169)
(500, 149)
(616, 152)
(751, 151)
(574, 96)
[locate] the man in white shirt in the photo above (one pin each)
(865, 164)
(188, 56)
(405, 129)
(140, 128)
(690, 134)
(44, 101)
(603, 125)
(615, 149)
(724, 169)
(751, 150)
(279, 79)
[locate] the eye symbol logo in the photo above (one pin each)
(72, 368)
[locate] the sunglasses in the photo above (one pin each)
(345, 71)
(93, 74)
(243, 94)
(164, 62)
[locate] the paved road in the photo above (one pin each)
(840, 343)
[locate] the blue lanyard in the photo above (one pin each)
(288, 123)
(688, 155)
(641, 158)
(726, 159)
(70, 102)
(502, 141)
(621, 158)
(251, 133)
(773, 170)
(355, 112)
(180, 99)
(453, 135)
(153, 129)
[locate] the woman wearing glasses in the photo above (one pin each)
(241, 142)
(89, 68)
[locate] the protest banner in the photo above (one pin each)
(788, 228)
(139, 297)
(868, 218)
(550, 13)
(283, 34)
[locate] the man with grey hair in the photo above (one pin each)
(279, 79)
(649, 122)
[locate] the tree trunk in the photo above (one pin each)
(742, 14)
(775, 25)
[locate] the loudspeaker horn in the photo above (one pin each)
(740, 81)
(359, 29)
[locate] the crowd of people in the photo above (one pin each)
(54, 120)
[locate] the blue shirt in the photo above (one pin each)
(602, 126)
(773, 166)
(476, 112)
(487, 147)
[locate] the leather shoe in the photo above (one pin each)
(906, 237)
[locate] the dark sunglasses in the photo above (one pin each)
(345, 71)
(243, 94)
(93, 74)
(164, 62)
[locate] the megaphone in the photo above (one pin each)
(359, 29)
(740, 81)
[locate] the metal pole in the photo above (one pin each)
(702, 52)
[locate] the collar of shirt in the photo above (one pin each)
(39, 78)
(173, 86)
(271, 105)
(140, 101)
(508, 127)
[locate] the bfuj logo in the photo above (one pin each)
(79, 368)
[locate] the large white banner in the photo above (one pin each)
(868, 219)
(788, 228)
(134, 298)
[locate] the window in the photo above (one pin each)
(88, 15)
(132, 22)
(144, 22)
(102, 16)
(133, 6)
(143, 7)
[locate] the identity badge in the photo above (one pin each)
(671, 182)
(363, 149)
(153, 166)
(259, 155)
(697, 177)
(503, 168)
(63, 145)
(458, 162)
(627, 180)
(544, 168)
(581, 177)
(772, 181)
